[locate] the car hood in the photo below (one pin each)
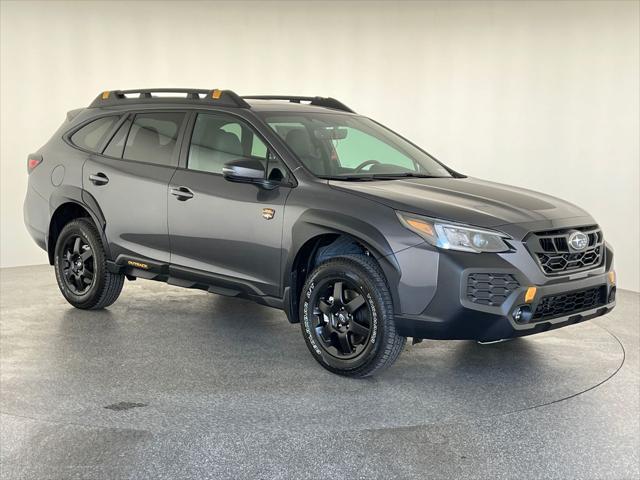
(472, 201)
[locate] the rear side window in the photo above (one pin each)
(153, 138)
(91, 136)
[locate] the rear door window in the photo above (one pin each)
(153, 138)
(91, 136)
(116, 144)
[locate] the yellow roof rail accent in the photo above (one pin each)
(219, 97)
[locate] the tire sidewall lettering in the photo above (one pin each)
(374, 319)
(307, 319)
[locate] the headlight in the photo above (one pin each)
(454, 237)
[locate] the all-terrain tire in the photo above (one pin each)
(383, 346)
(106, 286)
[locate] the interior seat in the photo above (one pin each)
(215, 149)
(145, 145)
(300, 142)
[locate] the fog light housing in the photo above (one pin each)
(522, 314)
(612, 294)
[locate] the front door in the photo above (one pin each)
(230, 230)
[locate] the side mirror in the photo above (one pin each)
(246, 170)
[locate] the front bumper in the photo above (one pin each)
(451, 314)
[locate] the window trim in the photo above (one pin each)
(291, 182)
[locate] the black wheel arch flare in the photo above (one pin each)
(66, 197)
(315, 230)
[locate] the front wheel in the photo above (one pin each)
(81, 267)
(347, 317)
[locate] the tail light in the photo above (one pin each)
(33, 161)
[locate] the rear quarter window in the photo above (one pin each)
(91, 136)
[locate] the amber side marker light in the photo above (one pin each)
(424, 227)
(612, 290)
(530, 295)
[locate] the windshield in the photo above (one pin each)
(347, 147)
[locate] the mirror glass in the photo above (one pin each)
(330, 133)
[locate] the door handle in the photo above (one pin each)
(99, 179)
(181, 193)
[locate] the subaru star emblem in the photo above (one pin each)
(578, 241)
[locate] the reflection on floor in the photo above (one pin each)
(172, 383)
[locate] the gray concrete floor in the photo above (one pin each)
(173, 383)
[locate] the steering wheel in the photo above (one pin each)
(366, 163)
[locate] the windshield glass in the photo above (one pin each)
(349, 147)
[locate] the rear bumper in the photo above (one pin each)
(36, 217)
(453, 314)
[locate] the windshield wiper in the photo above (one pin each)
(391, 176)
(357, 178)
(381, 176)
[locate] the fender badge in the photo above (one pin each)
(268, 213)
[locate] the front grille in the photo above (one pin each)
(563, 262)
(490, 288)
(555, 256)
(554, 306)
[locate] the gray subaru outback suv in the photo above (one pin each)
(300, 204)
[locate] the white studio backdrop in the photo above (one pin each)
(543, 95)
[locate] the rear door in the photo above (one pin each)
(129, 180)
(232, 231)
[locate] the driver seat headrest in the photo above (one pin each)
(300, 142)
(227, 142)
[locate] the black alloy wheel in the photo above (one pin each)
(346, 316)
(343, 318)
(80, 262)
(78, 268)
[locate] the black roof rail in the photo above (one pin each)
(327, 102)
(224, 98)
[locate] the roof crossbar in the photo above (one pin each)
(326, 102)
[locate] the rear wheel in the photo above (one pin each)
(81, 267)
(347, 317)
